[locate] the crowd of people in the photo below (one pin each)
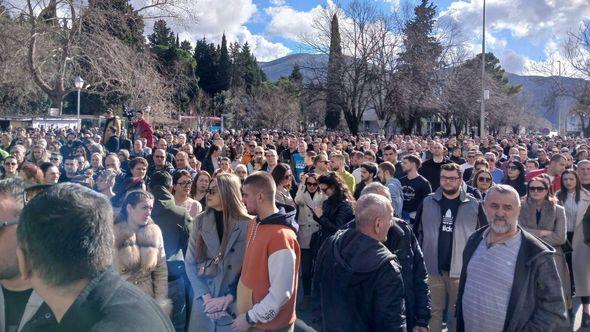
(136, 229)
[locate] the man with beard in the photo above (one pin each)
(431, 168)
(385, 173)
(524, 292)
(415, 187)
(368, 173)
(444, 222)
(18, 302)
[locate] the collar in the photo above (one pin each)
(511, 242)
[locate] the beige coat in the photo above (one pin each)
(307, 225)
(31, 308)
(552, 219)
(581, 251)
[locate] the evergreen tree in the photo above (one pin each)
(118, 18)
(186, 45)
(296, 76)
(418, 65)
(162, 35)
(224, 67)
(237, 70)
(334, 78)
(206, 57)
(252, 74)
(177, 44)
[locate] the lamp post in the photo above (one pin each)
(483, 72)
(79, 83)
(561, 126)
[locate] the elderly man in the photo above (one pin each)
(357, 283)
(524, 292)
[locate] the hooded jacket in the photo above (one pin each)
(268, 284)
(536, 302)
(357, 285)
(172, 220)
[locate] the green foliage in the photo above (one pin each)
(334, 98)
(162, 35)
(119, 19)
(494, 70)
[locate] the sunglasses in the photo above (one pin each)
(538, 189)
(512, 167)
(485, 179)
(7, 223)
(160, 157)
(311, 184)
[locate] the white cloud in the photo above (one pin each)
(290, 23)
(212, 18)
(277, 2)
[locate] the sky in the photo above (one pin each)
(521, 33)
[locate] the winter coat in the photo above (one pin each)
(144, 130)
(552, 219)
(307, 225)
(140, 259)
(223, 276)
(581, 250)
(172, 220)
(536, 302)
(470, 216)
(357, 285)
(107, 303)
(335, 215)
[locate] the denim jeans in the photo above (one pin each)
(177, 292)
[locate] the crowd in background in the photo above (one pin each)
(242, 230)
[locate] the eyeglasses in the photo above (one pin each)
(449, 178)
(485, 179)
(311, 184)
(185, 184)
(538, 189)
(7, 223)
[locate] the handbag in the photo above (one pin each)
(210, 267)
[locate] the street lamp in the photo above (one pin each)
(79, 83)
(483, 72)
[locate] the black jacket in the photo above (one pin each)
(108, 303)
(402, 242)
(431, 171)
(357, 285)
(335, 215)
(536, 302)
(172, 220)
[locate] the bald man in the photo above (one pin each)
(357, 256)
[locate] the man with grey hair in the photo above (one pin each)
(402, 241)
(18, 301)
(357, 283)
(524, 291)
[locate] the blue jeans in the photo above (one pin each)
(178, 293)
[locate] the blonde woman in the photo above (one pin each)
(215, 254)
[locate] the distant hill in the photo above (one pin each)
(536, 89)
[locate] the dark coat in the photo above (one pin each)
(108, 303)
(357, 285)
(335, 215)
(172, 221)
(536, 302)
(431, 171)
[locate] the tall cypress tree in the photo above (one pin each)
(206, 57)
(334, 78)
(224, 67)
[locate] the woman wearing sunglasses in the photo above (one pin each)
(515, 177)
(10, 168)
(575, 200)
(308, 197)
(284, 180)
(543, 217)
(482, 181)
(182, 182)
(215, 254)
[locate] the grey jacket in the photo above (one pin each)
(31, 308)
(227, 270)
(470, 216)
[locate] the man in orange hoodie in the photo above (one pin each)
(268, 284)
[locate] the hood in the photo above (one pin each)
(285, 217)
(162, 197)
(359, 253)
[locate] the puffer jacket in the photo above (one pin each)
(358, 285)
(537, 302)
(140, 259)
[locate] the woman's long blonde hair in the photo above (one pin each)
(232, 208)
